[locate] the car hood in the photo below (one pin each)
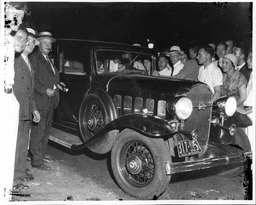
(153, 84)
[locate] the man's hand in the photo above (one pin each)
(50, 92)
(36, 116)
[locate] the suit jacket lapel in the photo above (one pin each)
(26, 66)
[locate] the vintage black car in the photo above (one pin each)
(153, 126)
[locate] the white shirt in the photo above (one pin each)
(211, 75)
(165, 72)
(240, 66)
(113, 67)
(249, 99)
(177, 67)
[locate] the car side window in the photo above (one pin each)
(71, 64)
(111, 61)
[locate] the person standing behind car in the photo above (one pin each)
(234, 84)
(208, 72)
(175, 57)
(248, 103)
(191, 67)
(46, 92)
(23, 91)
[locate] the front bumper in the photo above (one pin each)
(172, 168)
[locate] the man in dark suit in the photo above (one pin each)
(23, 91)
(242, 65)
(46, 94)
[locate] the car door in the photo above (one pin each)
(74, 65)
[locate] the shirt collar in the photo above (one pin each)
(179, 62)
(240, 66)
(24, 56)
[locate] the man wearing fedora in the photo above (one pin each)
(46, 93)
(175, 56)
(23, 90)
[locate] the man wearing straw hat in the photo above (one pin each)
(46, 93)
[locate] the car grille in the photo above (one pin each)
(201, 114)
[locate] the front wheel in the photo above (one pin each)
(138, 164)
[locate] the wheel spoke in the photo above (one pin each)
(137, 150)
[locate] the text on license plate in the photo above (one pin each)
(188, 147)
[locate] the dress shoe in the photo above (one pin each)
(26, 174)
(20, 186)
(42, 167)
(27, 170)
(27, 178)
(48, 159)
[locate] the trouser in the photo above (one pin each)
(40, 135)
(21, 147)
(9, 121)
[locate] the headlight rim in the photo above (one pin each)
(223, 101)
(172, 107)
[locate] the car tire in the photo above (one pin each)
(93, 116)
(138, 165)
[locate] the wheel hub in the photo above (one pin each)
(92, 122)
(134, 164)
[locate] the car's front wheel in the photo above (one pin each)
(138, 164)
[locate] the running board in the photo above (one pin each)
(63, 138)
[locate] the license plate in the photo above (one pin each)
(188, 148)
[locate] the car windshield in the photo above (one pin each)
(109, 61)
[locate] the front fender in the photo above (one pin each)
(146, 125)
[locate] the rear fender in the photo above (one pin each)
(146, 125)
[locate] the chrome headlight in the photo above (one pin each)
(182, 107)
(227, 105)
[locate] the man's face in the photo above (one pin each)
(30, 45)
(174, 57)
(237, 53)
(202, 56)
(147, 64)
(192, 54)
(20, 41)
(229, 47)
(221, 51)
(13, 18)
(249, 60)
(162, 63)
(45, 46)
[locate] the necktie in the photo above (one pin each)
(49, 61)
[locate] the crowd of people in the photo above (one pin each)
(30, 83)
(225, 68)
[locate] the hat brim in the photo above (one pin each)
(180, 52)
(46, 37)
(33, 36)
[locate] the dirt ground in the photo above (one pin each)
(81, 178)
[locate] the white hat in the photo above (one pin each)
(46, 34)
(175, 48)
(33, 33)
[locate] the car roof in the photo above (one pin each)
(95, 43)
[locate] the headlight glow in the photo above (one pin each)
(183, 108)
(227, 105)
(230, 107)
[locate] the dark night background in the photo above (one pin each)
(166, 23)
